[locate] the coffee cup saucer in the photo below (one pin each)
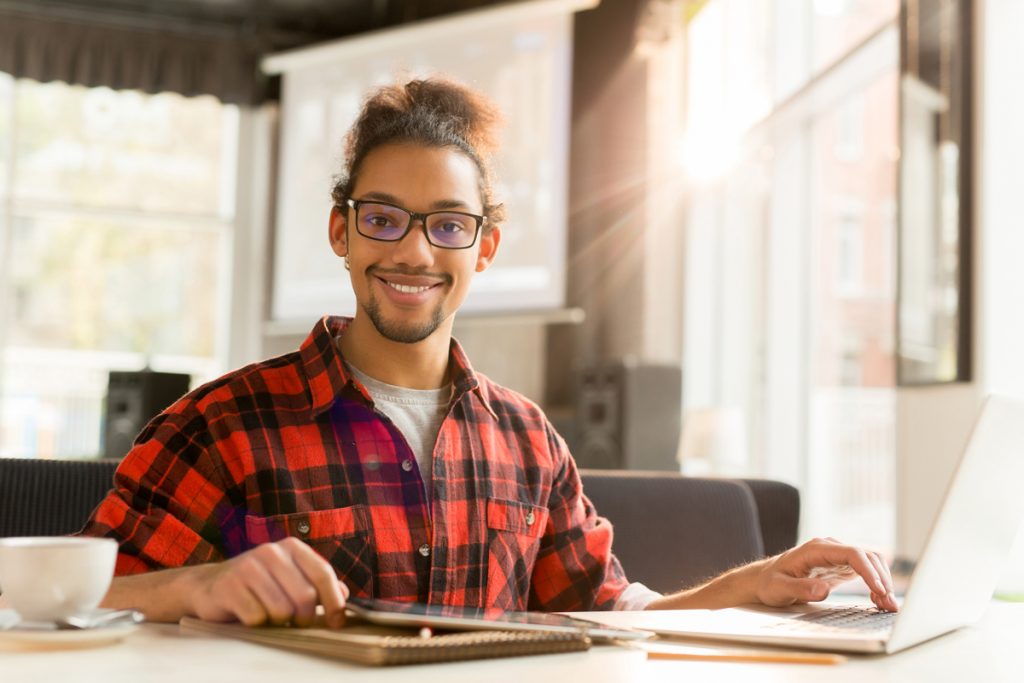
(19, 635)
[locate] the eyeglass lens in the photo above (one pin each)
(389, 223)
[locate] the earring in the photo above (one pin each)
(347, 264)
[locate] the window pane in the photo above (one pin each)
(102, 148)
(114, 285)
(851, 462)
(728, 81)
(116, 242)
(840, 25)
(790, 292)
(90, 295)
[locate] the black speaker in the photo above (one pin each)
(629, 416)
(133, 399)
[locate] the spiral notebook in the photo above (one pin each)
(376, 645)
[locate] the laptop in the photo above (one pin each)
(952, 584)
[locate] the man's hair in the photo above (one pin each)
(434, 112)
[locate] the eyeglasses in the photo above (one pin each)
(389, 223)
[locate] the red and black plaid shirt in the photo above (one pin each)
(293, 446)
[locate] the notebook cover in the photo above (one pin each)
(375, 645)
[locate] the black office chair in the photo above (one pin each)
(672, 531)
(50, 497)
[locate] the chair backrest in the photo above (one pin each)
(778, 510)
(671, 531)
(50, 497)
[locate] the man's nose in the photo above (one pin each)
(414, 249)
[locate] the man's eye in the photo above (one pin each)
(451, 227)
(378, 221)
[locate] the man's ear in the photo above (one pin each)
(337, 231)
(489, 242)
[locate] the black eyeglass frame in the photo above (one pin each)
(413, 217)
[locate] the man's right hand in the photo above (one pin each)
(276, 583)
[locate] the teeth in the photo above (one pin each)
(408, 289)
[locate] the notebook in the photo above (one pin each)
(375, 645)
(955, 577)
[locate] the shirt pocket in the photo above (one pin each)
(340, 535)
(514, 531)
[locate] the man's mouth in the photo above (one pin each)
(409, 283)
(407, 289)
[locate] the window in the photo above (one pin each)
(850, 238)
(849, 139)
(789, 296)
(114, 234)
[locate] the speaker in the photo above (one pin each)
(133, 399)
(629, 416)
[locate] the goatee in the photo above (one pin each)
(402, 332)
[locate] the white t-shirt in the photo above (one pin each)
(418, 414)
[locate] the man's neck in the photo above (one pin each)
(423, 365)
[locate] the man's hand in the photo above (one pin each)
(277, 583)
(809, 572)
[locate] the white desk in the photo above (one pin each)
(991, 651)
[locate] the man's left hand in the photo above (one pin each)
(809, 572)
(806, 573)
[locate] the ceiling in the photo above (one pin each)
(273, 25)
(187, 46)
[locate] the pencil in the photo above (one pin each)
(723, 655)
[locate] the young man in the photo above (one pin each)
(375, 461)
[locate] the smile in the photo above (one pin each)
(408, 289)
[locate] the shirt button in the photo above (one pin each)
(407, 465)
(530, 518)
(425, 550)
(303, 528)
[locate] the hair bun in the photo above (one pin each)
(436, 112)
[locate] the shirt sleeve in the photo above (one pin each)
(575, 568)
(636, 597)
(169, 506)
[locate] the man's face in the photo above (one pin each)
(409, 288)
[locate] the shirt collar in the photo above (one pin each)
(327, 376)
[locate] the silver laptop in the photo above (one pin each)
(956, 575)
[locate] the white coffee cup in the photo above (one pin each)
(45, 578)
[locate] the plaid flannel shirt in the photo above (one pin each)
(292, 446)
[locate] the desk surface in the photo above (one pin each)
(993, 650)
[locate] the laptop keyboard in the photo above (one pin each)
(845, 619)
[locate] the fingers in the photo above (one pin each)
(886, 601)
(874, 572)
(329, 591)
(786, 590)
(266, 577)
(279, 583)
(223, 595)
(827, 561)
(827, 553)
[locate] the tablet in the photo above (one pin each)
(394, 613)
